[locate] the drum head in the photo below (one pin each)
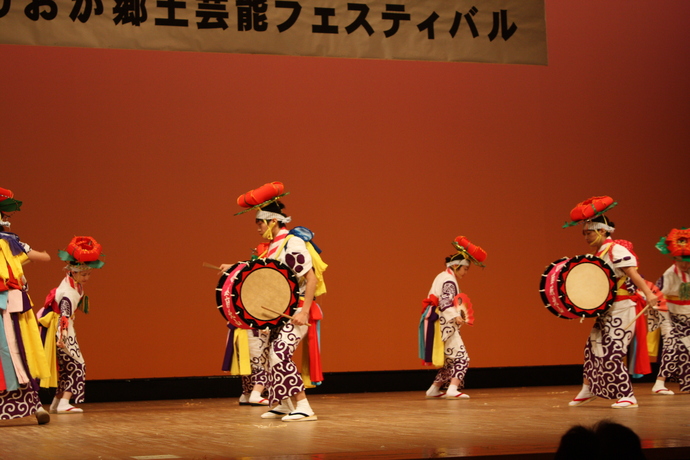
(587, 286)
(265, 287)
(247, 287)
(580, 287)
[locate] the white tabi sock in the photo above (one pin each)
(434, 391)
(255, 397)
(303, 406)
(659, 385)
(54, 404)
(584, 393)
(285, 406)
(452, 390)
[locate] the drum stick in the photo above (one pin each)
(638, 315)
(207, 265)
(281, 314)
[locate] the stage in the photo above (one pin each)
(505, 423)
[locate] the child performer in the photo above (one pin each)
(605, 373)
(294, 249)
(22, 360)
(57, 319)
(675, 285)
(445, 310)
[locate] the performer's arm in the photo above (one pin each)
(631, 272)
(38, 256)
(302, 317)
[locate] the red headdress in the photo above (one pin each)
(590, 208)
(676, 244)
(7, 201)
(469, 251)
(82, 253)
(261, 197)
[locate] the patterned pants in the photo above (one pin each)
(283, 379)
(606, 351)
(19, 403)
(675, 356)
(72, 376)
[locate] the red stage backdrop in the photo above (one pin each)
(386, 161)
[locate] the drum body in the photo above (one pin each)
(578, 287)
(247, 287)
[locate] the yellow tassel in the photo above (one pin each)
(35, 355)
(437, 357)
(319, 267)
(306, 369)
(241, 364)
(268, 234)
(653, 339)
(50, 322)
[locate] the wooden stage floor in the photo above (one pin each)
(507, 423)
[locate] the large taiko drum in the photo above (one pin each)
(578, 287)
(247, 287)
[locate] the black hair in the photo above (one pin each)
(456, 256)
(277, 208)
(603, 441)
(604, 220)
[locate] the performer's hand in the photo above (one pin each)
(61, 343)
(652, 301)
(301, 318)
(224, 267)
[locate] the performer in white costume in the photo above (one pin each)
(675, 325)
(605, 373)
(57, 319)
(444, 310)
(294, 249)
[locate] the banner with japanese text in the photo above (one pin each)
(493, 31)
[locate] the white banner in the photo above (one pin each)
(497, 31)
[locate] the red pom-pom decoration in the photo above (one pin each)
(472, 249)
(261, 194)
(84, 249)
(590, 207)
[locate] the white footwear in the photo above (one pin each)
(299, 417)
(69, 410)
(273, 414)
(460, 395)
(437, 396)
(580, 401)
(258, 402)
(662, 391)
(624, 403)
(244, 400)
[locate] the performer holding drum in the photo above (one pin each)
(444, 311)
(605, 372)
(282, 283)
(675, 325)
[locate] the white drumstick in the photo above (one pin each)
(207, 265)
(281, 314)
(638, 315)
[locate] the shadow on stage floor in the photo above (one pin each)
(505, 423)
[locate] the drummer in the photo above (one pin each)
(283, 381)
(675, 325)
(605, 373)
(445, 310)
